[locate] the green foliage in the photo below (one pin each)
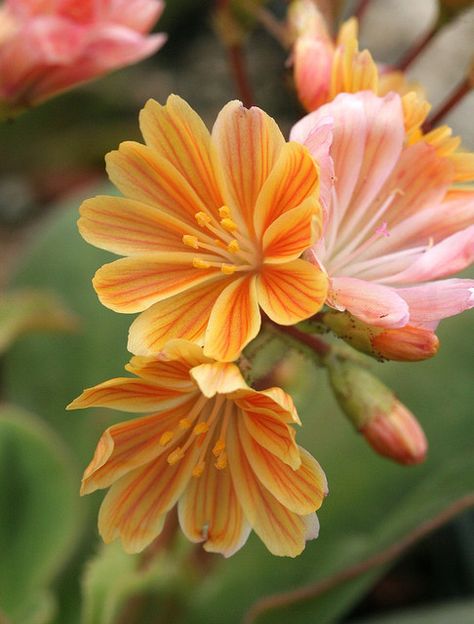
(372, 502)
(39, 515)
(456, 612)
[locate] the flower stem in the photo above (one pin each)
(240, 75)
(417, 49)
(451, 101)
(317, 346)
(361, 9)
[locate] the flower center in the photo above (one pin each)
(206, 425)
(228, 250)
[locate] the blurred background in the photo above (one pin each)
(53, 568)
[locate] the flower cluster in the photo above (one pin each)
(359, 212)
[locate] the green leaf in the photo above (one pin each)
(39, 517)
(29, 310)
(456, 612)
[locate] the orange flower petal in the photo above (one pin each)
(282, 531)
(128, 227)
(169, 367)
(234, 320)
(130, 444)
(217, 378)
(292, 233)
(273, 402)
(135, 506)
(209, 511)
(178, 134)
(291, 292)
(128, 395)
(275, 436)
(185, 315)
(301, 491)
(133, 284)
(248, 143)
(142, 174)
(293, 179)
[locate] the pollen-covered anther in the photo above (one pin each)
(221, 462)
(219, 446)
(224, 212)
(202, 219)
(184, 423)
(200, 428)
(198, 469)
(228, 269)
(233, 246)
(198, 263)
(190, 241)
(228, 224)
(174, 457)
(166, 437)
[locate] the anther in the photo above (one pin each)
(224, 212)
(184, 423)
(174, 457)
(190, 241)
(166, 437)
(228, 224)
(233, 246)
(201, 427)
(202, 218)
(221, 462)
(200, 264)
(228, 269)
(219, 446)
(198, 469)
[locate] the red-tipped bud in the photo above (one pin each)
(397, 434)
(387, 425)
(405, 344)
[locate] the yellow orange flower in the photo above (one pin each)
(225, 453)
(213, 226)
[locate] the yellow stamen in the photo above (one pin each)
(228, 269)
(202, 427)
(166, 437)
(224, 212)
(228, 224)
(190, 241)
(198, 469)
(219, 446)
(202, 218)
(221, 462)
(233, 246)
(201, 264)
(184, 423)
(174, 457)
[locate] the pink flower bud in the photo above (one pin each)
(50, 46)
(396, 434)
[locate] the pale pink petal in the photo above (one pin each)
(371, 303)
(434, 301)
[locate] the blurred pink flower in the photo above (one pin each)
(394, 222)
(47, 46)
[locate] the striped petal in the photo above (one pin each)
(291, 292)
(131, 444)
(217, 378)
(301, 491)
(134, 284)
(128, 395)
(185, 315)
(292, 233)
(210, 512)
(234, 321)
(282, 531)
(273, 402)
(274, 436)
(128, 227)
(292, 180)
(247, 145)
(142, 174)
(169, 374)
(135, 506)
(179, 135)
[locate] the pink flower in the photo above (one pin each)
(394, 223)
(47, 46)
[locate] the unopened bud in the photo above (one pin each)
(387, 425)
(404, 344)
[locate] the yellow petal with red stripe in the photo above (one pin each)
(292, 233)
(291, 292)
(247, 145)
(273, 402)
(275, 436)
(210, 512)
(292, 180)
(234, 320)
(128, 227)
(218, 378)
(178, 134)
(185, 315)
(133, 284)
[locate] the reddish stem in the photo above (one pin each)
(317, 345)
(417, 49)
(239, 72)
(361, 9)
(451, 101)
